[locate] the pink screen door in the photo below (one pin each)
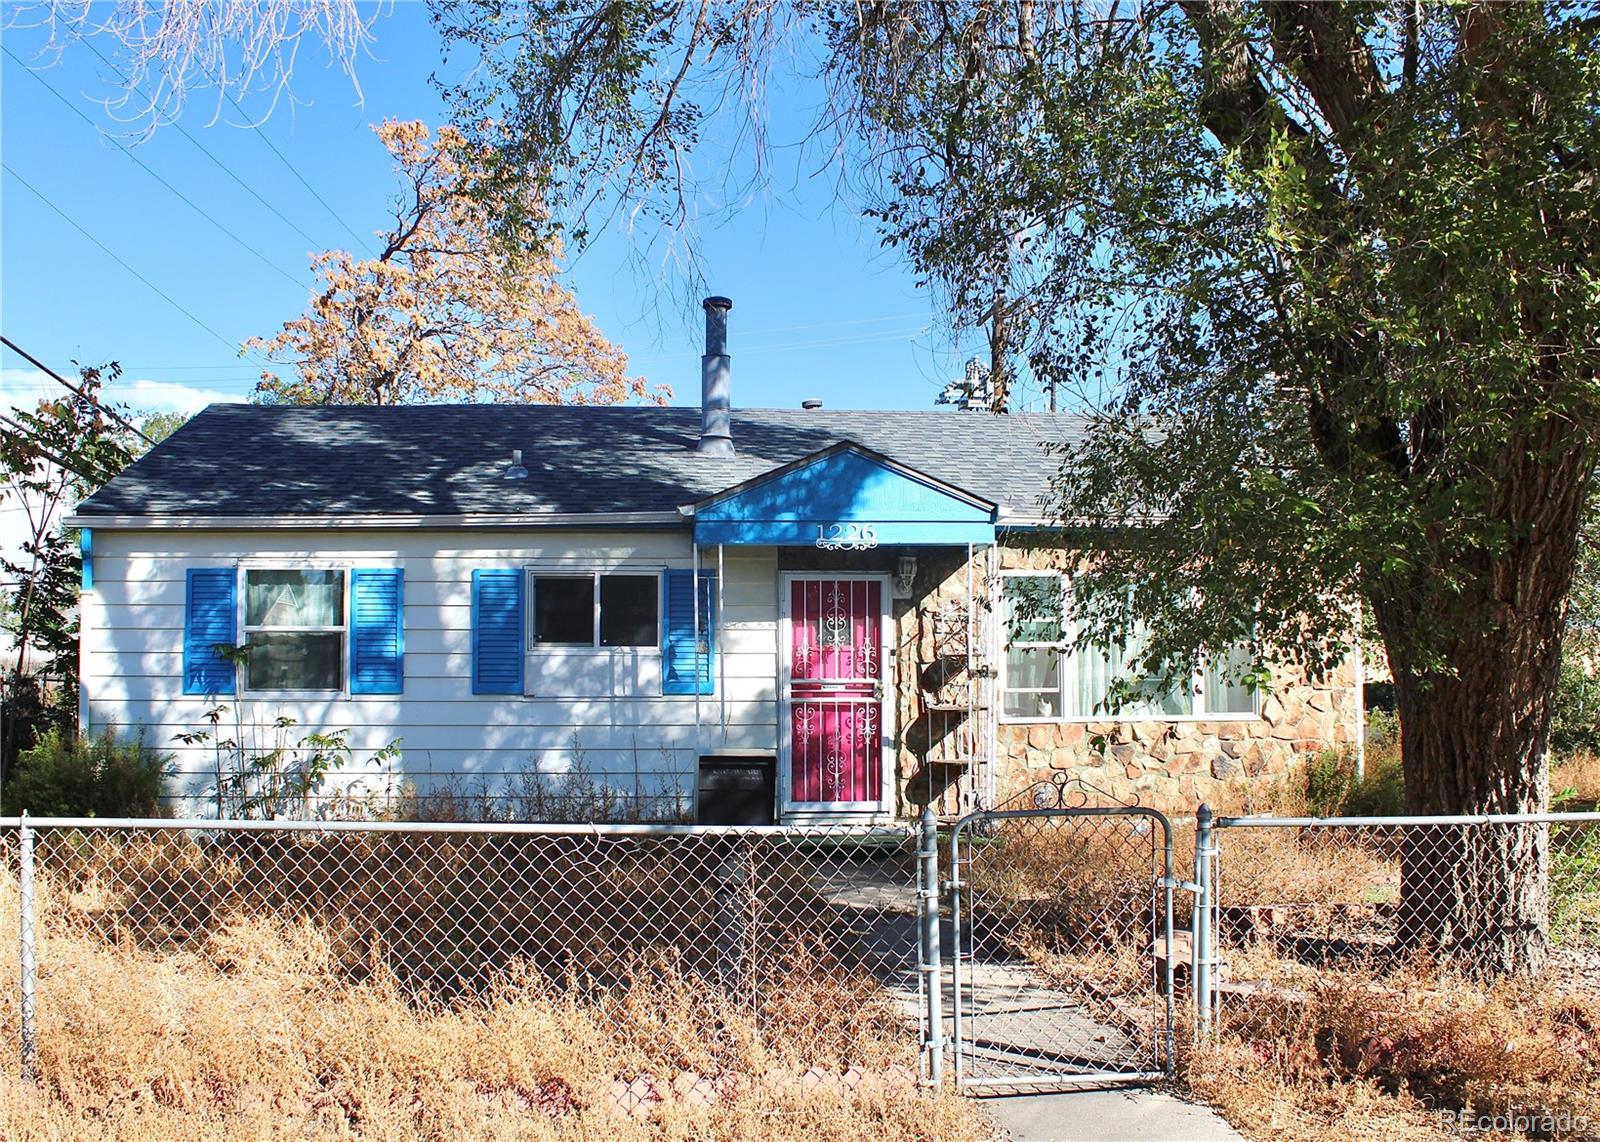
(836, 694)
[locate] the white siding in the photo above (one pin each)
(607, 717)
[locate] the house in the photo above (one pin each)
(809, 603)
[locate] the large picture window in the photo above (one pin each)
(294, 628)
(595, 609)
(1047, 679)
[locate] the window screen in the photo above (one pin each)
(563, 610)
(629, 610)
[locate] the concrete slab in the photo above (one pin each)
(1106, 1116)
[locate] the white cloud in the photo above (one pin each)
(145, 395)
(24, 388)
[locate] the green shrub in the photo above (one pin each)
(76, 777)
(1575, 720)
(1328, 779)
(1575, 883)
(1383, 730)
(1383, 792)
(1333, 791)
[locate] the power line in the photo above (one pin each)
(262, 135)
(250, 190)
(186, 368)
(31, 359)
(106, 250)
(68, 104)
(858, 338)
(832, 324)
(51, 456)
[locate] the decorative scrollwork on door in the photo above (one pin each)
(867, 725)
(833, 628)
(833, 767)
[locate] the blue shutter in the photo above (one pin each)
(497, 631)
(377, 630)
(685, 667)
(208, 622)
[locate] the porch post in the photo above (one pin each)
(928, 907)
(694, 611)
(1201, 937)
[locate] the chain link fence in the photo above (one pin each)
(1062, 970)
(694, 961)
(703, 954)
(1305, 910)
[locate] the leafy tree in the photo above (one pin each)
(50, 458)
(61, 451)
(1575, 723)
(228, 49)
(445, 312)
(1325, 274)
(157, 426)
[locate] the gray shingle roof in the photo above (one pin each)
(252, 460)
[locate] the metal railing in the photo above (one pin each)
(1290, 903)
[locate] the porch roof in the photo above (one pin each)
(845, 496)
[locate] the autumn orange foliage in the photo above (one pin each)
(448, 310)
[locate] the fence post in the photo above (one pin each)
(735, 910)
(928, 914)
(1201, 943)
(30, 1045)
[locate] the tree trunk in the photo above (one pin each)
(1474, 731)
(1475, 895)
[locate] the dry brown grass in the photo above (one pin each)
(256, 1031)
(1291, 867)
(1576, 780)
(1326, 1034)
(1358, 1056)
(446, 913)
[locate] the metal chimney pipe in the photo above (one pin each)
(716, 391)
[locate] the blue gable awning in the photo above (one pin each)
(845, 496)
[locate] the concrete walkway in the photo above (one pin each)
(1132, 1115)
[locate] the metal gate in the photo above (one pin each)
(1063, 954)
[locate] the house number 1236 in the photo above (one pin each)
(846, 536)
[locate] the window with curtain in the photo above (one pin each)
(294, 628)
(1045, 678)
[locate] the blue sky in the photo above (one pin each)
(819, 309)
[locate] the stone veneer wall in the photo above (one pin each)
(1166, 764)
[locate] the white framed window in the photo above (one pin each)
(294, 629)
(596, 609)
(1044, 678)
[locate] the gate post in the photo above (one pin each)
(30, 1044)
(931, 957)
(1201, 939)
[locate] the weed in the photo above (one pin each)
(259, 1030)
(64, 775)
(266, 773)
(1354, 1054)
(1575, 782)
(1334, 790)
